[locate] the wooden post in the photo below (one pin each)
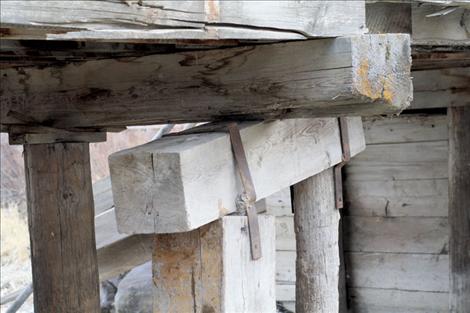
(61, 226)
(459, 208)
(210, 269)
(317, 230)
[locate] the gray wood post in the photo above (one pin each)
(459, 208)
(61, 225)
(317, 231)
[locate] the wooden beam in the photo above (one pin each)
(441, 88)
(182, 182)
(459, 212)
(317, 234)
(433, 26)
(134, 21)
(210, 269)
(61, 226)
(361, 75)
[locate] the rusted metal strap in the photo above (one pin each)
(249, 196)
(346, 156)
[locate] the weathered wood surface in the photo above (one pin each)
(396, 235)
(117, 253)
(433, 26)
(415, 197)
(210, 269)
(61, 226)
(172, 20)
(362, 75)
(420, 272)
(179, 183)
(370, 300)
(406, 128)
(459, 208)
(411, 160)
(441, 88)
(380, 234)
(316, 223)
(384, 17)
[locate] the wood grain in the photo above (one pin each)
(459, 212)
(361, 75)
(132, 21)
(181, 182)
(316, 223)
(61, 226)
(210, 269)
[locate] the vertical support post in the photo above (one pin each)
(61, 226)
(459, 208)
(317, 235)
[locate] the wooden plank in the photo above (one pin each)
(370, 300)
(441, 88)
(361, 75)
(380, 234)
(316, 221)
(105, 20)
(202, 270)
(285, 234)
(285, 293)
(285, 267)
(459, 213)
(123, 255)
(430, 28)
(422, 197)
(60, 215)
(405, 128)
(413, 272)
(157, 186)
(396, 235)
(421, 160)
(379, 19)
(279, 203)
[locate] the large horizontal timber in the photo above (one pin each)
(179, 183)
(439, 29)
(363, 75)
(150, 20)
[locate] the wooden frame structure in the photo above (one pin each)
(210, 61)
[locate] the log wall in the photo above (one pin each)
(395, 220)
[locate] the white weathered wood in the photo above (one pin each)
(120, 20)
(421, 197)
(316, 223)
(211, 270)
(380, 234)
(370, 300)
(441, 88)
(279, 203)
(360, 75)
(405, 128)
(123, 255)
(421, 160)
(419, 272)
(396, 235)
(181, 182)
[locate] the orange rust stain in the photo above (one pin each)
(388, 94)
(213, 7)
(381, 90)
